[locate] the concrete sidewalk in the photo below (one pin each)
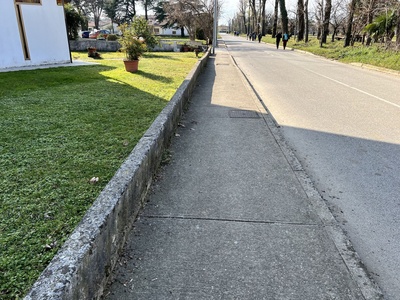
(232, 216)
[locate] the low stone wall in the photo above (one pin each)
(100, 45)
(112, 46)
(83, 265)
(166, 46)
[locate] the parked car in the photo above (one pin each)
(102, 33)
(85, 34)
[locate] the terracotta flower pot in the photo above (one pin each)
(131, 65)
(91, 52)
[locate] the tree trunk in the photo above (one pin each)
(244, 23)
(327, 17)
(242, 13)
(253, 17)
(398, 30)
(96, 22)
(350, 19)
(333, 34)
(306, 20)
(263, 31)
(300, 17)
(370, 11)
(145, 6)
(284, 17)
(275, 26)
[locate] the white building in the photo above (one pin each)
(160, 30)
(33, 33)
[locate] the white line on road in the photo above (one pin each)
(356, 89)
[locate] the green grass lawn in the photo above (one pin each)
(374, 55)
(59, 128)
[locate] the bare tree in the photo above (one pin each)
(284, 16)
(306, 20)
(80, 5)
(263, 19)
(275, 25)
(253, 15)
(183, 13)
(128, 10)
(327, 16)
(111, 10)
(398, 28)
(338, 17)
(300, 20)
(147, 4)
(205, 18)
(242, 11)
(193, 14)
(350, 18)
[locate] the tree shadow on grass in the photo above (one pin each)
(154, 77)
(150, 55)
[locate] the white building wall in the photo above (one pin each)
(45, 32)
(170, 31)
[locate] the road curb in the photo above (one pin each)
(82, 267)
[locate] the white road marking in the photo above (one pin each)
(356, 89)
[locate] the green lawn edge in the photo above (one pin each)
(62, 128)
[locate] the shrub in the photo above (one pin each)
(112, 37)
(132, 45)
(140, 28)
(74, 20)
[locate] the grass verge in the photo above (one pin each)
(374, 55)
(59, 128)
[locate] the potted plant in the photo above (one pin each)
(133, 46)
(91, 51)
(185, 47)
(197, 50)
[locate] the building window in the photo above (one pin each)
(21, 26)
(173, 31)
(28, 1)
(156, 30)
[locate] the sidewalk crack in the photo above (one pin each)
(231, 220)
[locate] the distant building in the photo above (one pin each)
(160, 29)
(33, 33)
(223, 29)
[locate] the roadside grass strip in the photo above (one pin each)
(374, 55)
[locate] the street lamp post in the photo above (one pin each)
(215, 26)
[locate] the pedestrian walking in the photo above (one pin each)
(278, 39)
(259, 37)
(285, 38)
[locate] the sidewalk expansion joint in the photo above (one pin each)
(231, 220)
(243, 114)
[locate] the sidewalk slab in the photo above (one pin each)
(229, 174)
(212, 259)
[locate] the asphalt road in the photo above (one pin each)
(343, 123)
